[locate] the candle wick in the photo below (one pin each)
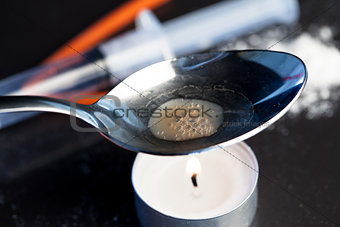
(194, 180)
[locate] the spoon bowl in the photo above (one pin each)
(253, 89)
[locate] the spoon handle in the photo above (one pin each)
(11, 104)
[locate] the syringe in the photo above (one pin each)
(151, 42)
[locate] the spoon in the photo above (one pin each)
(254, 88)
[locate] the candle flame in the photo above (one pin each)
(193, 166)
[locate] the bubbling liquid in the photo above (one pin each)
(185, 119)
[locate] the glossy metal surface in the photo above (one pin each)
(254, 88)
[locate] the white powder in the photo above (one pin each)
(322, 60)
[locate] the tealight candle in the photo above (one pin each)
(213, 188)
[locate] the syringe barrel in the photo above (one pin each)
(196, 31)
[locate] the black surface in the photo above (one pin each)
(53, 176)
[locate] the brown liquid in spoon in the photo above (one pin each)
(185, 119)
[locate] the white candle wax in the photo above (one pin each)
(224, 182)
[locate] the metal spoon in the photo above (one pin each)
(254, 88)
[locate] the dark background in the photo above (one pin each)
(51, 175)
